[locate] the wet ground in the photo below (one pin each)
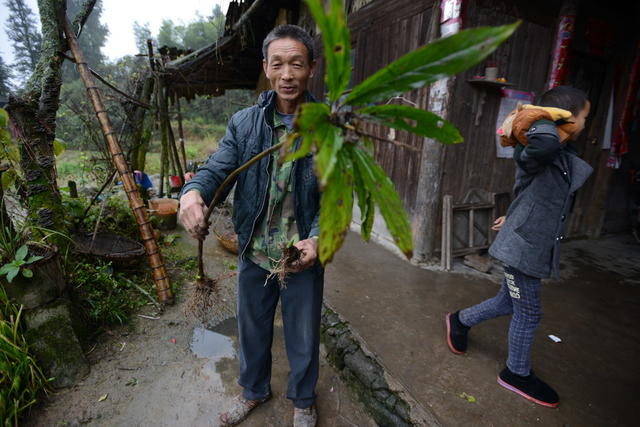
(171, 372)
(399, 310)
(168, 371)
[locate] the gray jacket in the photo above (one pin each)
(250, 131)
(547, 175)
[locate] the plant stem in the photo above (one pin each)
(220, 191)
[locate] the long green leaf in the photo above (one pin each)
(22, 252)
(386, 198)
(336, 208)
(442, 58)
(426, 123)
(327, 155)
(366, 205)
(337, 45)
(313, 118)
(319, 136)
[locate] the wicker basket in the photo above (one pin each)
(229, 241)
(111, 246)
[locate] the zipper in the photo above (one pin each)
(266, 189)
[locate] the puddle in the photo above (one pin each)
(212, 345)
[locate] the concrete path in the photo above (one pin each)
(399, 310)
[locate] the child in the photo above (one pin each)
(548, 172)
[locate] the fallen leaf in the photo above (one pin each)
(103, 397)
(468, 397)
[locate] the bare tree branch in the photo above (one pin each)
(83, 15)
(110, 86)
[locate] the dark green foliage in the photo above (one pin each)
(107, 298)
(200, 32)
(23, 31)
(141, 33)
(5, 78)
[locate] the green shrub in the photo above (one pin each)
(108, 299)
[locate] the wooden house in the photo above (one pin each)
(587, 44)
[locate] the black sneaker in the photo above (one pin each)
(529, 387)
(456, 333)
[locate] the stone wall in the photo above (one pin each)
(384, 398)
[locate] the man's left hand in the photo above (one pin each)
(309, 253)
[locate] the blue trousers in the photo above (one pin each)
(301, 304)
(519, 295)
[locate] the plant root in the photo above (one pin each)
(288, 263)
(206, 302)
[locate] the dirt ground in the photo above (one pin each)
(166, 370)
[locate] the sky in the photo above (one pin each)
(119, 15)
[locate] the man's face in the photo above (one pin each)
(288, 69)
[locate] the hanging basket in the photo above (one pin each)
(110, 246)
(229, 241)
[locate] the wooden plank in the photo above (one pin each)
(446, 232)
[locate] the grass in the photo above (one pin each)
(87, 168)
(20, 378)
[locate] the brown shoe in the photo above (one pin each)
(240, 410)
(307, 417)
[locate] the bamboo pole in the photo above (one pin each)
(138, 126)
(164, 160)
(181, 133)
(163, 288)
(171, 141)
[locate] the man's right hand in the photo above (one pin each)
(192, 209)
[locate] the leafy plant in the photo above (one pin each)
(335, 131)
(20, 377)
(108, 299)
(19, 264)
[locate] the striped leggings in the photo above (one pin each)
(519, 295)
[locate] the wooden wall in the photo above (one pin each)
(523, 60)
(382, 31)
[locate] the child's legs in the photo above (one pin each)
(499, 305)
(527, 312)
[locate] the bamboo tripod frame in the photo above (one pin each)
(163, 287)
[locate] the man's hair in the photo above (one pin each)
(288, 31)
(565, 97)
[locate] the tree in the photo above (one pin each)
(25, 37)
(218, 19)
(5, 76)
(141, 33)
(168, 34)
(201, 32)
(32, 114)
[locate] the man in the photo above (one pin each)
(274, 203)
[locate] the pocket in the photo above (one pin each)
(536, 226)
(524, 227)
